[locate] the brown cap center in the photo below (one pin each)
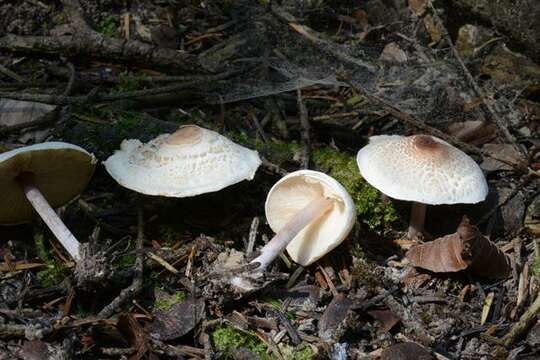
(189, 134)
(426, 143)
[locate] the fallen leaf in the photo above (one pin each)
(15, 112)
(504, 152)
(464, 249)
(433, 29)
(386, 317)
(178, 320)
(393, 53)
(35, 350)
(331, 324)
(406, 351)
(418, 6)
(474, 132)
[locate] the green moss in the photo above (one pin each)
(227, 338)
(535, 267)
(372, 211)
(126, 261)
(167, 302)
(56, 271)
(128, 83)
(108, 26)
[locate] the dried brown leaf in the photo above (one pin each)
(475, 132)
(386, 317)
(465, 249)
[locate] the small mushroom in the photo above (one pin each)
(422, 169)
(189, 162)
(41, 177)
(311, 214)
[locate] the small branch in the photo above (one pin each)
(136, 285)
(523, 324)
(67, 100)
(304, 217)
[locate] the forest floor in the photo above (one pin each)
(305, 84)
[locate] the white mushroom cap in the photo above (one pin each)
(421, 168)
(191, 161)
(296, 190)
(59, 170)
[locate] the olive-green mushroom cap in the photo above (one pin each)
(60, 171)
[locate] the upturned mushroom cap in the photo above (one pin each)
(191, 161)
(421, 168)
(291, 194)
(59, 170)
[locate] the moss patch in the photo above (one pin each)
(227, 338)
(56, 271)
(167, 302)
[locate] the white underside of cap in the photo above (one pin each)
(296, 190)
(391, 164)
(157, 168)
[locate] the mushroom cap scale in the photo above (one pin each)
(189, 162)
(296, 190)
(421, 168)
(59, 170)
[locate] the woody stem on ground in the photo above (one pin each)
(416, 223)
(49, 216)
(279, 242)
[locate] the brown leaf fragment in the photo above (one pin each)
(332, 322)
(475, 132)
(130, 327)
(464, 249)
(178, 320)
(406, 351)
(35, 350)
(386, 317)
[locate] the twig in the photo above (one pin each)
(252, 236)
(523, 324)
(137, 283)
(304, 121)
(84, 99)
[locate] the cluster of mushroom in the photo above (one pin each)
(310, 212)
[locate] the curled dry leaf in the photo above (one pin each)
(465, 249)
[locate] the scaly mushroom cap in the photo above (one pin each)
(191, 161)
(421, 168)
(296, 190)
(59, 170)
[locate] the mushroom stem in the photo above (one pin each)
(49, 216)
(416, 223)
(304, 217)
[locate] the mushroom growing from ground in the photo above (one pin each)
(311, 214)
(40, 177)
(189, 162)
(422, 169)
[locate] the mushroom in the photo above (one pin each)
(311, 214)
(41, 177)
(422, 169)
(189, 162)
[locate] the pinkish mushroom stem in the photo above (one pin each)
(49, 216)
(304, 217)
(416, 223)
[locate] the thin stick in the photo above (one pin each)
(137, 283)
(304, 217)
(49, 216)
(418, 216)
(523, 324)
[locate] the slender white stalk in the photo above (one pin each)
(304, 217)
(49, 216)
(416, 223)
